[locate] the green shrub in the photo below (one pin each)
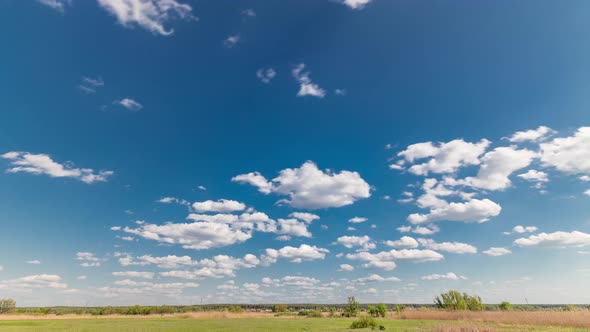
(311, 313)
(372, 311)
(453, 300)
(279, 308)
(381, 309)
(571, 307)
(235, 309)
(333, 311)
(7, 306)
(473, 302)
(363, 323)
(352, 309)
(505, 306)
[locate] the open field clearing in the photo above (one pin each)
(418, 321)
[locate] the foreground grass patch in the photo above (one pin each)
(255, 324)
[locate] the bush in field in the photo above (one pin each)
(363, 323)
(333, 311)
(571, 307)
(505, 306)
(235, 309)
(399, 308)
(7, 306)
(453, 300)
(372, 311)
(279, 308)
(381, 309)
(352, 309)
(43, 311)
(474, 302)
(311, 313)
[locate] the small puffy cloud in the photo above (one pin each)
(222, 205)
(82, 277)
(170, 200)
(452, 247)
(357, 220)
(426, 230)
(307, 217)
(134, 274)
(386, 259)
(148, 14)
(355, 4)
(116, 228)
(532, 135)
(346, 267)
(34, 262)
(294, 254)
(404, 229)
(255, 179)
(292, 227)
(447, 276)
(311, 188)
(25, 162)
(356, 241)
(217, 267)
(265, 75)
(556, 239)
(231, 40)
(59, 5)
(524, 229)
(587, 192)
(299, 281)
(403, 242)
(306, 86)
(375, 278)
(89, 84)
(497, 166)
(585, 178)
(33, 282)
(88, 259)
(248, 13)
(474, 210)
(129, 104)
(568, 154)
(497, 251)
(443, 157)
(534, 176)
(217, 231)
(201, 187)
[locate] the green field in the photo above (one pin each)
(243, 325)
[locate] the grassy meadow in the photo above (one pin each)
(415, 321)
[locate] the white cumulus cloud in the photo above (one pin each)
(311, 188)
(25, 162)
(151, 15)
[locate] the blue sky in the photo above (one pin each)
(293, 151)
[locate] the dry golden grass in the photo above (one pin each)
(189, 315)
(466, 328)
(546, 318)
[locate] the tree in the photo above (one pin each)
(352, 309)
(505, 306)
(453, 300)
(279, 308)
(381, 309)
(473, 302)
(7, 306)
